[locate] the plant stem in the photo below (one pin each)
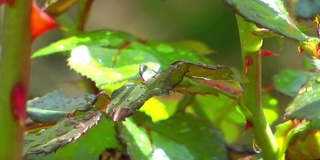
(14, 71)
(251, 76)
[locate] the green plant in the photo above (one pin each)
(176, 121)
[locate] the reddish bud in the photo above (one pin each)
(10, 2)
(265, 53)
(40, 22)
(18, 103)
(247, 126)
(248, 63)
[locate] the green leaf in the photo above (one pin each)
(89, 146)
(109, 66)
(138, 142)
(199, 137)
(289, 82)
(268, 14)
(223, 113)
(182, 136)
(203, 80)
(109, 57)
(306, 104)
(297, 140)
(64, 132)
(110, 39)
(56, 105)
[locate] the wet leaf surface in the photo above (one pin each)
(306, 104)
(64, 132)
(56, 105)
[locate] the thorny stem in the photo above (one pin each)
(251, 77)
(14, 69)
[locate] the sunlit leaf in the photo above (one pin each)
(109, 57)
(297, 140)
(64, 132)
(139, 144)
(308, 147)
(306, 104)
(56, 105)
(289, 82)
(155, 109)
(108, 65)
(268, 14)
(104, 38)
(281, 136)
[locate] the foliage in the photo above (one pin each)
(162, 100)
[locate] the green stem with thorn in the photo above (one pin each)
(251, 77)
(14, 71)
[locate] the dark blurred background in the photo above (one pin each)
(207, 21)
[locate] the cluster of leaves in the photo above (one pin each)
(177, 126)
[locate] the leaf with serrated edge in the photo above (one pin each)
(268, 14)
(65, 131)
(111, 39)
(55, 105)
(96, 63)
(206, 80)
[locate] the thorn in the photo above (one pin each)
(18, 103)
(247, 126)
(265, 53)
(248, 63)
(40, 22)
(300, 50)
